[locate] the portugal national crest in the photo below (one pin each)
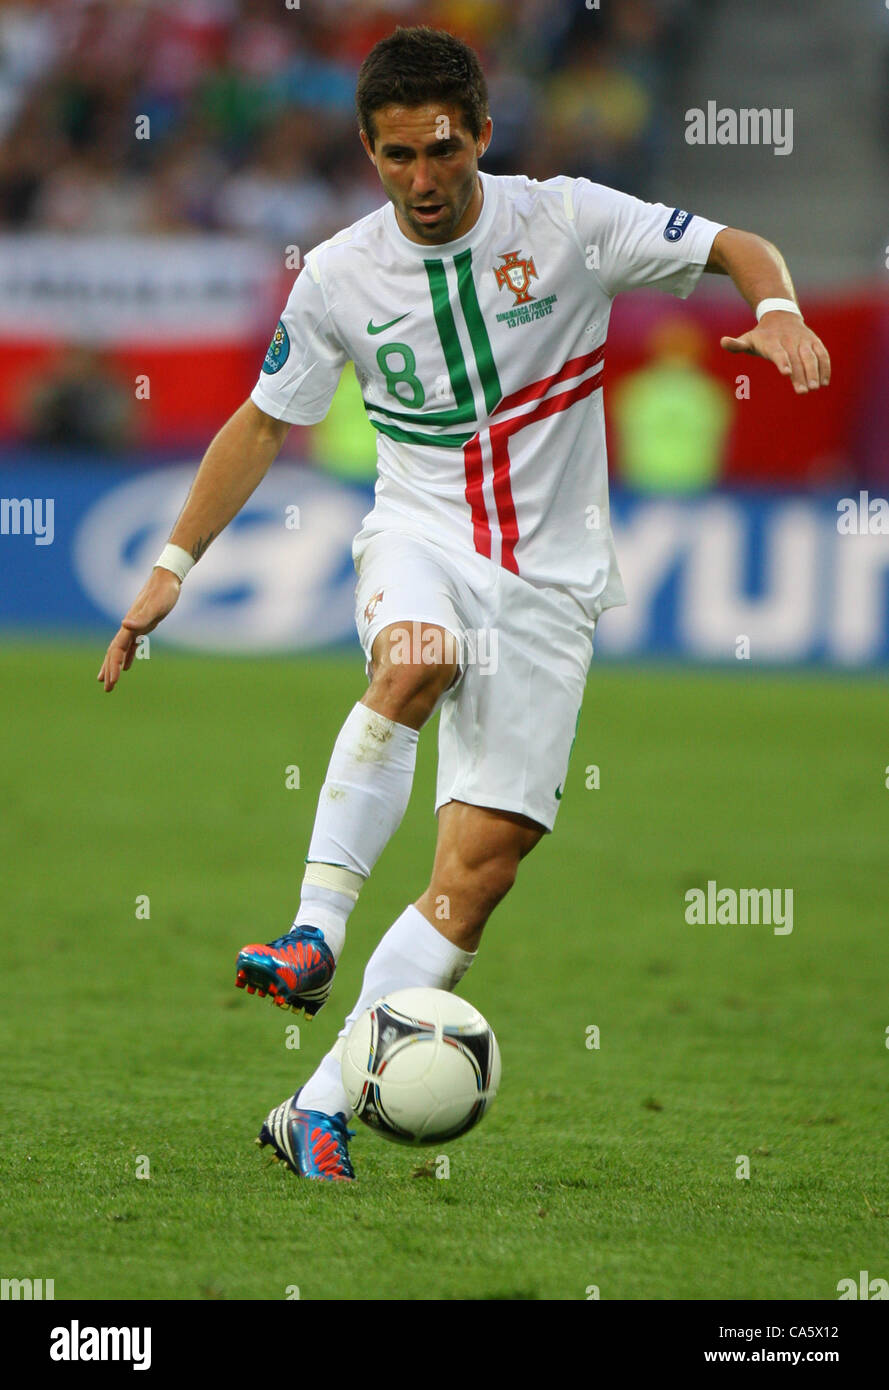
(517, 275)
(372, 606)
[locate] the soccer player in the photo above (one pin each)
(475, 309)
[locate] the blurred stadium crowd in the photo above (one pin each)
(251, 105)
(119, 253)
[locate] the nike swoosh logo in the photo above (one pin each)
(373, 328)
(559, 792)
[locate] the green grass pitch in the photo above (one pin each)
(615, 1166)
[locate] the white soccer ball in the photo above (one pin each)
(421, 1066)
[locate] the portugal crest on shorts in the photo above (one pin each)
(373, 605)
(517, 275)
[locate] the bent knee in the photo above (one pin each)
(409, 684)
(413, 665)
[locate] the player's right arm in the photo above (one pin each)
(232, 468)
(296, 385)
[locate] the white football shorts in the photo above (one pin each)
(508, 720)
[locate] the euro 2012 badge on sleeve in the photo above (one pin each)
(278, 351)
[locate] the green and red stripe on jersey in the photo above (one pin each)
(464, 411)
(499, 435)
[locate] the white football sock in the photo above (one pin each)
(326, 909)
(366, 791)
(362, 803)
(412, 952)
(324, 1089)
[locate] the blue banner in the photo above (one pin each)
(77, 545)
(780, 579)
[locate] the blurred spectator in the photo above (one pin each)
(250, 105)
(344, 442)
(29, 41)
(82, 404)
(672, 416)
(598, 118)
(279, 191)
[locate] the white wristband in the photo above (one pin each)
(767, 306)
(174, 558)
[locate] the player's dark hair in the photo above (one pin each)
(417, 65)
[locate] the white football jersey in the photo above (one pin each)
(481, 365)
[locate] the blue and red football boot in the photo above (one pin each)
(312, 1144)
(296, 970)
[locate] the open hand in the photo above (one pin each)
(153, 602)
(796, 351)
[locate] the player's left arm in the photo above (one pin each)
(759, 272)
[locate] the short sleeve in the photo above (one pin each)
(305, 359)
(637, 244)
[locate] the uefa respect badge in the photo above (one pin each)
(278, 351)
